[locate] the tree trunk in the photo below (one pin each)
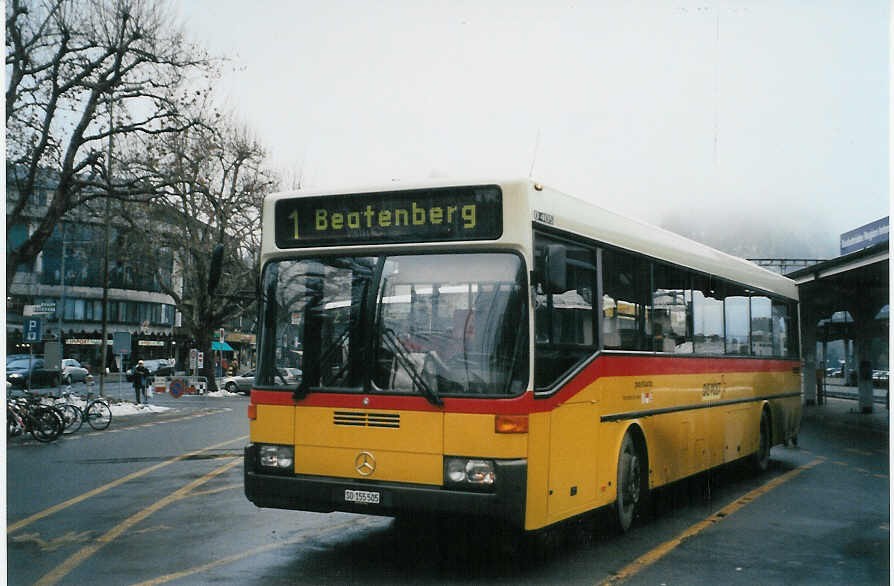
(208, 370)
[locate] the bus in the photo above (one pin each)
(501, 350)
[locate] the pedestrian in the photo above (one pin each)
(140, 380)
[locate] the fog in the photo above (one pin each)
(758, 127)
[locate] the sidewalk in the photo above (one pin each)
(846, 413)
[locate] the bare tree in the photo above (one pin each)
(211, 182)
(70, 64)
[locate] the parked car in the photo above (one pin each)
(880, 378)
(155, 366)
(20, 370)
(73, 372)
(239, 383)
(242, 383)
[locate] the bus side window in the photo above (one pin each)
(707, 315)
(737, 321)
(564, 321)
(671, 298)
(626, 301)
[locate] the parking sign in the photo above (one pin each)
(32, 329)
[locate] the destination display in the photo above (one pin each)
(425, 215)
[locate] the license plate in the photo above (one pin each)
(361, 496)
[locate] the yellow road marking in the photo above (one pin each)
(115, 532)
(242, 555)
(90, 494)
(650, 557)
(240, 486)
(55, 543)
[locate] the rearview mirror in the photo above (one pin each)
(556, 268)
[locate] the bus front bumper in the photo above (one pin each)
(326, 494)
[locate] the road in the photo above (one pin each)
(158, 499)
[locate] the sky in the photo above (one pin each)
(683, 113)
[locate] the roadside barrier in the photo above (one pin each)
(186, 385)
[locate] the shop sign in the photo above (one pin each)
(39, 309)
(121, 342)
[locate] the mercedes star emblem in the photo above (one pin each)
(365, 463)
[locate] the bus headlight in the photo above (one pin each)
(279, 457)
(469, 472)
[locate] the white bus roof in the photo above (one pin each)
(590, 220)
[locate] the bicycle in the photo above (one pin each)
(71, 413)
(97, 412)
(28, 415)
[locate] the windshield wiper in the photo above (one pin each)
(403, 358)
(303, 388)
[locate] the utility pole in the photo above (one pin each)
(105, 261)
(62, 291)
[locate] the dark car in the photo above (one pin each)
(73, 372)
(20, 370)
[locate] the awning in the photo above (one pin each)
(221, 346)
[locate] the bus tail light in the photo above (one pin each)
(511, 424)
(252, 411)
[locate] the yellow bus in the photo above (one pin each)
(506, 351)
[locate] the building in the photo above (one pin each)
(66, 278)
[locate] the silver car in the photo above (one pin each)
(242, 383)
(73, 372)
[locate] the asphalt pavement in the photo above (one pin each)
(846, 413)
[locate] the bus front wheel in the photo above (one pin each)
(632, 482)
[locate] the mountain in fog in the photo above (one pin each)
(752, 234)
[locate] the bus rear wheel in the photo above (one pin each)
(760, 460)
(632, 483)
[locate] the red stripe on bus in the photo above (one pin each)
(602, 366)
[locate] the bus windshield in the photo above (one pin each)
(433, 324)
